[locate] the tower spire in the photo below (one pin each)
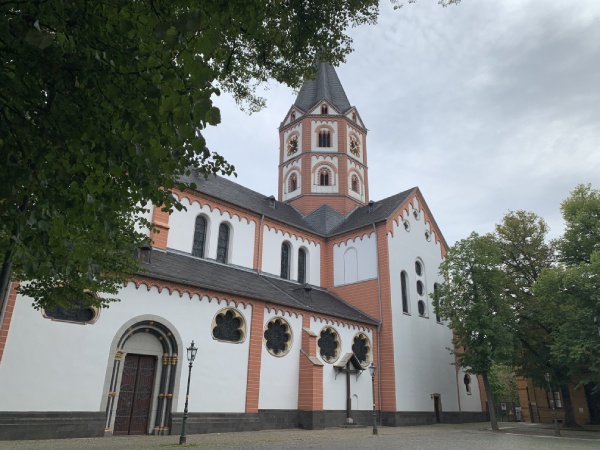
(326, 86)
(322, 159)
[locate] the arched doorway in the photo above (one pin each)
(142, 379)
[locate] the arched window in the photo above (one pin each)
(324, 177)
(301, 266)
(324, 109)
(223, 244)
(293, 116)
(354, 117)
(285, 260)
(355, 186)
(404, 288)
(293, 183)
(324, 138)
(199, 237)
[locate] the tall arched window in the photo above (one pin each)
(324, 138)
(285, 260)
(301, 266)
(354, 184)
(404, 288)
(293, 183)
(324, 177)
(199, 237)
(223, 244)
(324, 109)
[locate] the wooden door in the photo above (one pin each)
(135, 395)
(438, 408)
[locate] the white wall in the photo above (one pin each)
(271, 255)
(469, 401)
(422, 362)
(279, 374)
(334, 389)
(366, 251)
(56, 366)
(241, 238)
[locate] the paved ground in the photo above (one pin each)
(451, 437)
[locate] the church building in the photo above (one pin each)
(289, 301)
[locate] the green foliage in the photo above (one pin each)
(581, 212)
(472, 298)
(503, 383)
(102, 103)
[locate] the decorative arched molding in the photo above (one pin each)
(282, 311)
(351, 238)
(168, 369)
(202, 294)
(194, 197)
(350, 324)
(289, 234)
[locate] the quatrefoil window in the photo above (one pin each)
(278, 337)
(229, 326)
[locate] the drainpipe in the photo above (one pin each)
(378, 326)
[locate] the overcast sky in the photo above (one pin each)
(487, 107)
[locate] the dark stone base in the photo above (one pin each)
(51, 425)
(57, 425)
(408, 418)
(318, 420)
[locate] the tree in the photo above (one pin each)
(472, 298)
(521, 237)
(572, 289)
(102, 103)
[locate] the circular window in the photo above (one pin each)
(278, 337)
(421, 306)
(229, 326)
(420, 288)
(362, 348)
(416, 214)
(427, 235)
(406, 224)
(418, 268)
(329, 344)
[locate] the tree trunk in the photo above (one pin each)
(490, 402)
(567, 406)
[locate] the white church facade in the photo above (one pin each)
(288, 300)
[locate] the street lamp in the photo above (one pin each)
(548, 378)
(372, 371)
(191, 355)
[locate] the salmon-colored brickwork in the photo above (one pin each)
(363, 295)
(310, 381)
(160, 219)
(386, 335)
(254, 357)
(8, 312)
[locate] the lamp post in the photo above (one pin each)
(548, 378)
(191, 355)
(372, 371)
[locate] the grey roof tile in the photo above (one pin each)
(201, 273)
(326, 86)
(324, 219)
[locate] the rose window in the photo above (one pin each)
(228, 326)
(329, 345)
(278, 337)
(362, 348)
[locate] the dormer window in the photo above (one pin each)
(324, 138)
(324, 109)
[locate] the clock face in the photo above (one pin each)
(354, 146)
(292, 146)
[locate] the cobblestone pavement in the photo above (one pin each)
(459, 437)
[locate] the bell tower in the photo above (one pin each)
(323, 148)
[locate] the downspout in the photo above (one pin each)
(378, 326)
(260, 234)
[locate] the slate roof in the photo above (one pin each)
(324, 221)
(201, 273)
(327, 86)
